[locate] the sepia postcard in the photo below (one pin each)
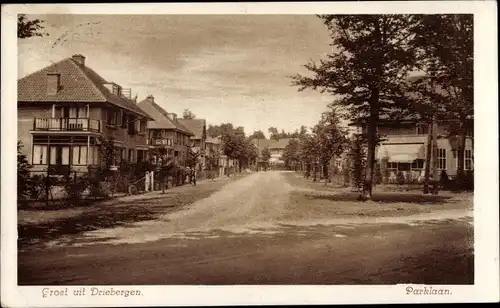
(249, 154)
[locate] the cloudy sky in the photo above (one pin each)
(224, 68)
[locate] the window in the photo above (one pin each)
(93, 156)
(137, 125)
(143, 126)
(418, 164)
(422, 129)
(124, 154)
(124, 120)
(59, 155)
(79, 155)
(141, 156)
(113, 117)
(131, 155)
(132, 125)
(39, 155)
(404, 166)
(391, 165)
(441, 159)
(468, 160)
(469, 132)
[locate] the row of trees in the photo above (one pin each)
(368, 73)
(309, 151)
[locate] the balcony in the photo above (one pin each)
(160, 141)
(67, 124)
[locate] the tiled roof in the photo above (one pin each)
(195, 126)
(271, 143)
(161, 120)
(78, 84)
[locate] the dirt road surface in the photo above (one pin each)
(266, 228)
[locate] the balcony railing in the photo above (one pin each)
(160, 141)
(67, 124)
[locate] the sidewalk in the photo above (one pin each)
(182, 194)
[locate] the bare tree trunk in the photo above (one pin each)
(428, 160)
(371, 142)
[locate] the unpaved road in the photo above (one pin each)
(248, 233)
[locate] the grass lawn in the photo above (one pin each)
(330, 201)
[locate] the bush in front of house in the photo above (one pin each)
(74, 188)
(384, 170)
(444, 180)
(400, 178)
(377, 179)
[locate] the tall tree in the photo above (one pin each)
(29, 28)
(258, 134)
(265, 155)
(291, 155)
(445, 44)
(273, 131)
(330, 138)
(188, 114)
(370, 60)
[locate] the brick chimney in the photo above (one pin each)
(80, 59)
(173, 116)
(53, 83)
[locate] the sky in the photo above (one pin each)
(224, 68)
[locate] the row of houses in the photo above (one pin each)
(64, 109)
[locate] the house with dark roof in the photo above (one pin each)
(276, 147)
(198, 141)
(165, 130)
(64, 109)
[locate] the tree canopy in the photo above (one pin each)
(366, 70)
(188, 114)
(28, 28)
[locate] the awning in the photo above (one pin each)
(403, 153)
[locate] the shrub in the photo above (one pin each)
(357, 167)
(384, 170)
(444, 180)
(24, 181)
(400, 178)
(36, 187)
(469, 180)
(377, 178)
(74, 188)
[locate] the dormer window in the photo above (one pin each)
(114, 88)
(53, 83)
(422, 129)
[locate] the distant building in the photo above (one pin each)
(405, 142)
(64, 109)
(166, 131)
(276, 147)
(198, 127)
